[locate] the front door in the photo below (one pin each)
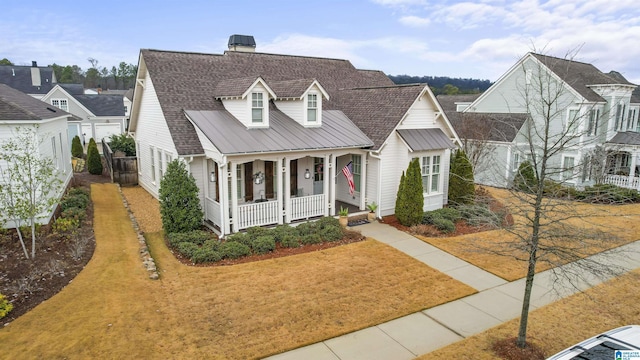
(318, 175)
(293, 178)
(248, 182)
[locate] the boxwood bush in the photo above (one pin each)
(197, 237)
(242, 238)
(234, 250)
(306, 228)
(205, 254)
(264, 244)
(281, 231)
(309, 239)
(80, 201)
(332, 233)
(187, 249)
(290, 241)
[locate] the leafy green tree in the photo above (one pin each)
(29, 183)
(94, 162)
(5, 61)
(179, 201)
(76, 147)
(124, 143)
(461, 186)
(410, 201)
(449, 89)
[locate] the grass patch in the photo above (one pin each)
(235, 312)
(561, 324)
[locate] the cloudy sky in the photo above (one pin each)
(474, 39)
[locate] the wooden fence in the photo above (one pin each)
(122, 169)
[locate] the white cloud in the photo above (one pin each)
(415, 21)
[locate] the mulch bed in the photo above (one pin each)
(507, 349)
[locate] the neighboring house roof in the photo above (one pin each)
(21, 79)
(377, 110)
(625, 138)
(480, 126)
(102, 104)
(186, 81)
(230, 136)
(73, 89)
(18, 106)
(425, 139)
(581, 75)
(129, 94)
(635, 96)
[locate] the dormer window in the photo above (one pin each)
(257, 108)
(312, 108)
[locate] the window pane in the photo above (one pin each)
(312, 115)
(256, 115)
(435, 181)
(568, 168)
(357, 168)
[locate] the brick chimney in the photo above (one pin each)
(242, 43)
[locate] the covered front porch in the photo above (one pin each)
(274, 190)
(623, 160)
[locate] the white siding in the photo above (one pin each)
(394, 161)
(293, 109)
(421, 115)
(373, 174)
(152, 130)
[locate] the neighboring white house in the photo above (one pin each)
(17, 110)
(33, 80)
(97, 116)
(267, 136)
(594, 109)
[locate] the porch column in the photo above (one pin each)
(223, 184)
(325, 185)
(363, 181)
(281, 188)
(234, 195)
(332, 190)
(287, 190)
(632, 166)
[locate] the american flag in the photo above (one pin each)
(347, 170)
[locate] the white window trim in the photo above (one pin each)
(571, 179)
(59, 104)
(596, 121)
(428, 190)
(318, 108)
(152, 161)
(572, 125)
(265, 109)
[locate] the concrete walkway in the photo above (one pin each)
(419, 333)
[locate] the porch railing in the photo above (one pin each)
(623, 181)
(258, 214)
(307, 206)
(213, 211)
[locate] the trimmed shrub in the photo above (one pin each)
(74, 213)
(213, 244)
(327, 221)
(187, 249)
(443, 224)
(257, 231)
(5, 306)
(461, 187)
(242, 238)
(306, 228)
(64, 225)
(179, 201)
(290, 241)
(525, 178)
(264, 244)
(197, 237)
(74, 201)
(204, 255)
(94, 162)
(234, 250)
(311, 239)
(332, 233)
(124, 143)
(410, 201)
(608, 194)
(76, 147)
(281, 231)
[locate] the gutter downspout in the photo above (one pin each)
(379, 184)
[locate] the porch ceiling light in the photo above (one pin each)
(258, 178)
(307, 174)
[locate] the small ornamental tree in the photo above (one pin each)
(94, 163)
(461, 187)
(76, 147)
(179, 202)
(410, 201)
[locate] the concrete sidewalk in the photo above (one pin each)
(419, 333)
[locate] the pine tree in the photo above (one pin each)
(461, 186)
(410, 200)
(179, 201)
(525, 179)
(76, 147)
(94, 163)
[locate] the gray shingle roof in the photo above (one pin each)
(579, 75)
(425, 139)
(377, 110)
(19, 78)
(16, 105)
(185, 81)
(291, 88)
(480, 126)
(626, 138)
(73, 89)
(284, 134)
(102, 105)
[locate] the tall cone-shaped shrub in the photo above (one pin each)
(94, 163)
(76, 147)
(179, 202)
(410, 201)
(461, 187)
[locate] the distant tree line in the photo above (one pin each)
(444, 84)
(120, 77)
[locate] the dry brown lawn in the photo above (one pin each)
(112, 309)
(621, 221)
(559, 325)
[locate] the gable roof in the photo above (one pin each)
(102, 104)
(481, 126)
(73, 89)
(626, 138)
(19, 78)
(581, 75)
(18, 106)
(185, 81)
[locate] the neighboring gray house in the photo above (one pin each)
(18, 109)
(96, 116)
(267, 136)
(593, 109)
(33, 80)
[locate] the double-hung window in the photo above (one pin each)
(160, 165)
(356, 170)
(430, 169)
(152, 160)
(61, 104)
(592, 126)
(312, 108)
(619, 117)
(572, 122)
(568, 164)
(257, 108)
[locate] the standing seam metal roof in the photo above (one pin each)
(425, 139)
